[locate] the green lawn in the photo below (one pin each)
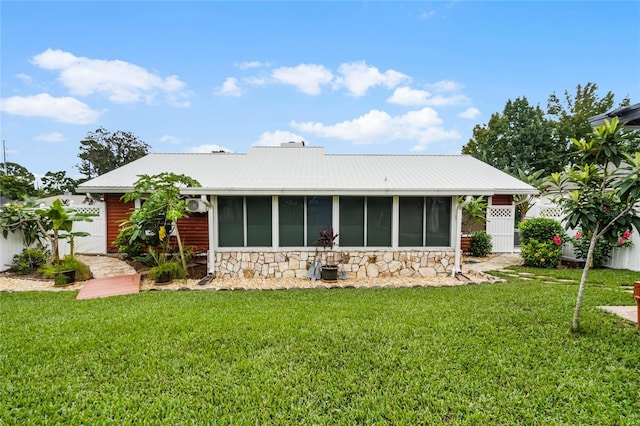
(479, 354)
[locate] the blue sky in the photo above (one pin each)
(354, 77)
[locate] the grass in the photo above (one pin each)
(479, 354)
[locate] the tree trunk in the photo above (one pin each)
(583, 281)
(180, 250)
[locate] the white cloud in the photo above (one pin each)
(120, 81)
(307, 78)
(422, 126)
(454, 99)
(26, 79)
(434, 134)
(207, 148)
(51, 137)
(408, 96)
(251, 64)
(414, 97)
(445, 86)
(277, 137)
(470, 113)
(170, 139)
(65, 109)
(230, 88)
(358, 77)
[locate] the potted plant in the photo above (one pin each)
(67, 271)
(165, 270)
(329, 271)
(474, 214)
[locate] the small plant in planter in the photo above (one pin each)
(67, 271)
(327, 239)
(166, 270)
(474, 216)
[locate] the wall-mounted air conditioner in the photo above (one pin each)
(196, 205)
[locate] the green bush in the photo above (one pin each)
(29, 260)
(122, 242)
(601, 253)
(541, 255)
(540, 229)
(481, 244)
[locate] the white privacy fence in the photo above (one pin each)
(95, 243)
(9, 247)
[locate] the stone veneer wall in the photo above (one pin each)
(357, 264)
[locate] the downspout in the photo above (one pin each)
(458, 249)
(211, 258)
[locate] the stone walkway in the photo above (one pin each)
(106, 266)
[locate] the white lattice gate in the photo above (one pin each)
(500, 226)
(95, 243)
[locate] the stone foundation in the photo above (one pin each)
(357, 264)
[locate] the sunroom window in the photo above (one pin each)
(302, 218)
(424, 222)
(365, 221)
(244, 222)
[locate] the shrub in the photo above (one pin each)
(602, 251)
(541, 255)
(29, 260)
(122, 242)
(481, 244)
(541, 229)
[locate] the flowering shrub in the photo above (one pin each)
(541, 255)
(540, 229)
(602, 251)
(541, 242)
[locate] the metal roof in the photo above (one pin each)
(629, 115)
(308, 170)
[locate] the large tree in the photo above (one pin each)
(56, 183)
(102, 151)
(570, 115)
(519, 138)
(16, 182)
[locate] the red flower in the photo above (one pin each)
(578, 235)
(556, 240)
(626, 235)
(621, 240)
